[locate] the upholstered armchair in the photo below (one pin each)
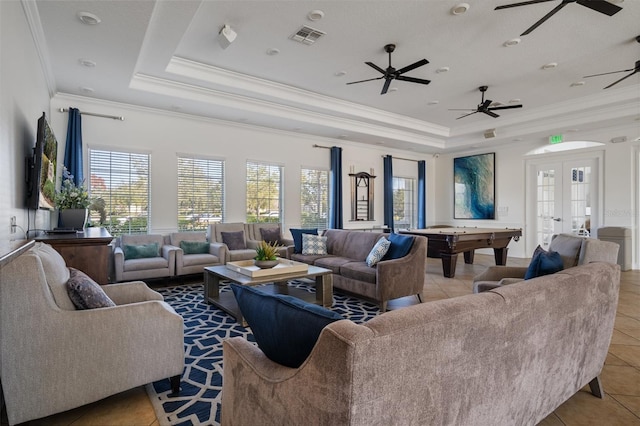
(54, 358)
(194, 252)
(573, 250)
(269, 232)
(234, 237)
(143, 256)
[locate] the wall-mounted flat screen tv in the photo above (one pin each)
(42, 168)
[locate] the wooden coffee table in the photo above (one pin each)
(227, 301)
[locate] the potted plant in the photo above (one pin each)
(73, 202)
(266, 255)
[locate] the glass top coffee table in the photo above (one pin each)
(227, 301)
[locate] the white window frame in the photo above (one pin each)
(196, 210)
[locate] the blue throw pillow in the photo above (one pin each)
(543, 263)
(285, 328)
(400, 246)
(195, 247)
(297, 237)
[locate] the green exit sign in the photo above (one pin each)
(553, 139)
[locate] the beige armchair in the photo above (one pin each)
(244, 250)
(259, 231)
(574, 250)
(54, 358)
(194, 263)
(158, 265)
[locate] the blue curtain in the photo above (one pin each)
(335, 189)
(421, 195)
(388, 192)
(73, 147)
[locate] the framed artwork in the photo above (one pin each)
(474, 187)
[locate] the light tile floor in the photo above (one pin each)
(620, 377)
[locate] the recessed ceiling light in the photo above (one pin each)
(86, 90)
(514, 101)
(89, 18)
(340, 73)
(315, 15)
(578, 83)
(512, 42)
(459, 9)
(433, 102)
(393, 89)
(442, 69)
(272, 51)
(87, 63)
(549, 66)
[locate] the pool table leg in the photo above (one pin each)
(501, 255)
(449, 264)
(468, 256)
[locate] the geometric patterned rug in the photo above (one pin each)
(205, 327)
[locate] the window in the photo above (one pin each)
(200, 193)
(264, 192)
(404, 205)
(314, 190)
(121, 181)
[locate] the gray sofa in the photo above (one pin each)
(389, 279)
(508, 356)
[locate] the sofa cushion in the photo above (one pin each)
(359, 271)
(568, 246)
(297, 237)
(195, 247)
(146, 264)
(285, 328)
(200, 259)
(56, 274)
(309, 259)
(400, 246)
(314, 244)
(176, 237)
(246, 254)
(332, 262)
(234, 240)
(141, 251)
(378, 251)
(85, 293)
(543, 263)
(271, 235)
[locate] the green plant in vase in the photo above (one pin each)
(266, 254)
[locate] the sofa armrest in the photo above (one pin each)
(403, 276)
(169, 253)
(130, 292)
(497, 273)
(118, 259)
(219, 250)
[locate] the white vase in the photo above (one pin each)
(74, 218)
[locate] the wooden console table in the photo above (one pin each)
(87, 251)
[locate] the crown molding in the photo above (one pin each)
(35, 27)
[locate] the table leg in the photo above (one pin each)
(468, 256)
(324, 290)
(211, 287)
(501, 255)
(449, 264)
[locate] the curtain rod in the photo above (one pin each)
(400, 158)
(113, 117)
(320, 146)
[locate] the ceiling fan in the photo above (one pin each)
(634, 70)
(601, 6)
(393, 74)
(484, 106)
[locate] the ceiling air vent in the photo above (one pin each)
(307, 35)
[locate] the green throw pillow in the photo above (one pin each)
(140, 251)
(194, 247)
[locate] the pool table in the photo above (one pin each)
(446, 243)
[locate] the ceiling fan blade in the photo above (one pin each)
(601, 6)
(413, 80)
(484, 105)
(466, 115)
(387, 82)
(524, 3)
(504, 107)
(607, 73)
(492, 114)
(544, 18)
(375, 67)
(618, 81)
(413, 66)
(369, 79)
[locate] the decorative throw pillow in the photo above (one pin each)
(543, 263)
(378, 251)
(195, 247)
(140, 251)
(271, 235)
(400, 246)
(314, 244)
(297, 237)
(85, 293)
(285, 328)
(234, 240)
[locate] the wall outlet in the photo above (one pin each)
(13, 224)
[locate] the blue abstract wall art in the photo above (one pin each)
(474, 186)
